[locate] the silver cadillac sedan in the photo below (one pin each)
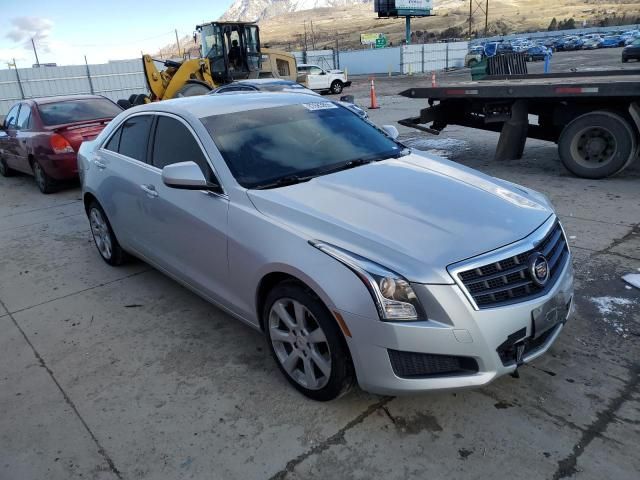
(360, 259)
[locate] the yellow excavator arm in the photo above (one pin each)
(168, 83)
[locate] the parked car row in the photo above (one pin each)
(309, 223)
(567, 43)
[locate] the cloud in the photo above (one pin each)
(23, 29)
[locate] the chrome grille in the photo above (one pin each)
(509, 281)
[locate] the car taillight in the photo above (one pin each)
(59, 144)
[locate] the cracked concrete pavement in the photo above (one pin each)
(110, 373)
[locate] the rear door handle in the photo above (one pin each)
(150, 190)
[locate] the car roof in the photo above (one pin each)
(64, 98)
(263, 81)
(209, 105)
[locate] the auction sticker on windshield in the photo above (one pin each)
(319, 106)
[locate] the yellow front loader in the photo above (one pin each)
(228, 51)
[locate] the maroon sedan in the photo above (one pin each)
(41, 136)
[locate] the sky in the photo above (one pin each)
(64, 31)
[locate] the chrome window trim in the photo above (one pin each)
(530, 242)
(156, 169)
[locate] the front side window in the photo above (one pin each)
(12, 117)
(263, 145)
(24, 118)
(132, 137)
(315, 70)
(174, 143)
(71, 111)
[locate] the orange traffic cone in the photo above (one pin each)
(433, 79)
(374, 99)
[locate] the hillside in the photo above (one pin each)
(505, 16)
(282, 22)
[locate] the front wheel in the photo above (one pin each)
(337, 87)
(306, 342)
(597, 145)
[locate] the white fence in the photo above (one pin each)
(114, 80)
(432, 57)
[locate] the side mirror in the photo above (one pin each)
(186, 176)
(391, 131)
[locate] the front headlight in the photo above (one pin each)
(392, 294)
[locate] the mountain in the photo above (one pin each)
(253, 10)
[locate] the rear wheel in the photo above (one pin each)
(103, 236)
(44, 182)
(306, 343)
(5, 171)
(337, 87)
(597, 145)
(192, 90)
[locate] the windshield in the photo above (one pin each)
(72, 111)
(304, 140)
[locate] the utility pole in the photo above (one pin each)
(305, 35)
(479, 7)
(35, 51)
(177, 42)
(313, 36)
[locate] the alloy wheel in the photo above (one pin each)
(299, 343)
(101, 233)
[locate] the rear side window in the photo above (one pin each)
(175, 143)
(134, 137)
(70, 111)
(24, 118)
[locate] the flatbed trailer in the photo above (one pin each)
(594, 117)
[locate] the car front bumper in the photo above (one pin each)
(455, 329)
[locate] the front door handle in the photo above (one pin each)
(100, 164)
(150, 190)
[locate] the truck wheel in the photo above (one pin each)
(192, 90)
(336, 87)
(597, 145)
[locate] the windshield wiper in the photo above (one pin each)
(283, 182)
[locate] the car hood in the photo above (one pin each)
(415, 215)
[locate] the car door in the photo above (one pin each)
(121, 164)
(8, 140)
(23, 137)
(188, 227)
(317, 79)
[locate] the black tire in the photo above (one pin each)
(44, 182)
(117, 255)
(341, 376)
(625, 60)
(192, 90)
(597, 145)
(5, 170)
(336, 87)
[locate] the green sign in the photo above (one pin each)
(381, 42)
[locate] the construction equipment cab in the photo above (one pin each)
(228, 51)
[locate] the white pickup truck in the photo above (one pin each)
(318, 79)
